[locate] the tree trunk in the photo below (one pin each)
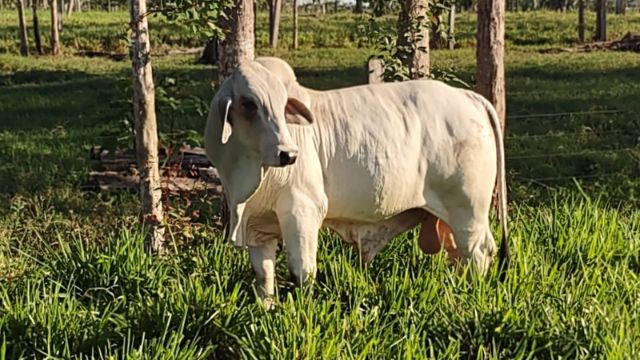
(490, 54)
(55, 34)
(358, 9)
(70, 7)
(22, 29)
(620, 7)
(36, 27)
(295, 24)
(581, 20)
(275, 7)
(145, 126)
(336, 5)
(601, 20)
(238, 44)
(60, 11)
(413, 14)
(451, 37)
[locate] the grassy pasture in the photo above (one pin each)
(74, 281)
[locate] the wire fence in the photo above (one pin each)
(526, 163)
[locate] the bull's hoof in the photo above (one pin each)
(268, 303)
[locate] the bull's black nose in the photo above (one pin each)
(287, 157)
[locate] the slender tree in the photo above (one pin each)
(36, 27)
(70, 7)
(295, 24)
(601, 20)
(275, 9)
(413, 36)
(22, 29)
(490, 54)
(621, 7)
(581, 20)
(55, 34)
(358, 9)
(145, 126)
(238, 44)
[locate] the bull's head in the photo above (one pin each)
(247, 131)
(252, 106)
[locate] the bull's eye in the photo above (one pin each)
(249, 106)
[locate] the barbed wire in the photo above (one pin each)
(569, 134)
(567, 113)
(569, 177)
(545, 92)
(570, 154)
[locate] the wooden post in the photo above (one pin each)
(376, 71)
(22, 29)
(581, 20)
(601, 20)
(144, 113)
(55, 35)
(490, 54)
(295, 24)
(36, 27)
(451, 39)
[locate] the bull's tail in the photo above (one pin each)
(501, 183)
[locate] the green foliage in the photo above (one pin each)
(383, 38)
(201, 16)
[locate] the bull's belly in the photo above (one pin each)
(370, 238)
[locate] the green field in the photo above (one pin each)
(75, 281)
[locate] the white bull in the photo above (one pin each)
(369, 162)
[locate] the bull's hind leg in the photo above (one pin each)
(473, 237)
(263, 260)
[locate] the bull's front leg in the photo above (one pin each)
(300, 224)
(263, 260)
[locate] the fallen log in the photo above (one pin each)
(629, 42)
(114, 180)
(188, 170)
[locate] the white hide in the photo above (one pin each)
(375, 159)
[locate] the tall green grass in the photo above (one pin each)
(572, 292)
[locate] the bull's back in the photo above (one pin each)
(383, 146)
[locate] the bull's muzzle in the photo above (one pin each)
(288, 157)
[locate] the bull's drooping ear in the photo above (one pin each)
(297, 113)
(224, 105)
